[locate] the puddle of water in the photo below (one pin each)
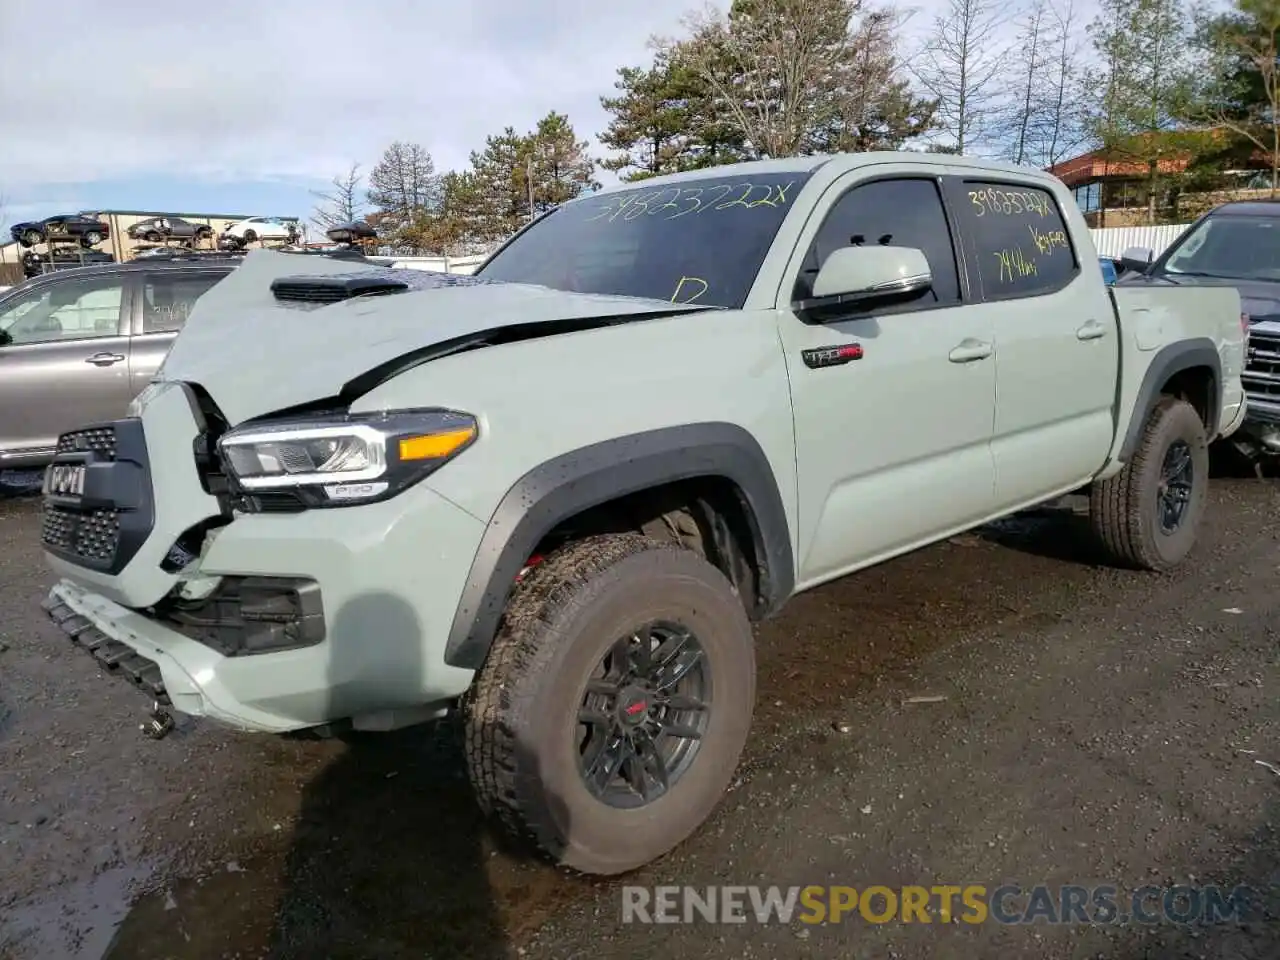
(76, 921)
(226, 913)
(102, 918)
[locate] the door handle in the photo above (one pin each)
(1091, 331)
(968, 350)
(104, 359)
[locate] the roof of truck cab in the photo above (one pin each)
(841, 161)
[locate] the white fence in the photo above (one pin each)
(1113, 241)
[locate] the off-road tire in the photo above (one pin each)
(1123, 510)
(521, 713)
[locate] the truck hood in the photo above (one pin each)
(257, 354)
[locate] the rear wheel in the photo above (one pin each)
(615, 702)
(92, 237)
(1148, 515)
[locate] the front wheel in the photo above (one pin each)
(31, 237)
(250, 236)
(1147, 516)
(607, 721)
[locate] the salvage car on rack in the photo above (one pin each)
(156, 229)
(554, 495)
(86, 230)
(254, 229)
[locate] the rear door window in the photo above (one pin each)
(168, 298)
(1016, 239)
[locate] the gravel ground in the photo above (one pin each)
(1099, 727)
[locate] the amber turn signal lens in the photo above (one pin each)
(432, 446)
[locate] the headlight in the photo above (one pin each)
(344, 460)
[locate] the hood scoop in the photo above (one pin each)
(334, 288)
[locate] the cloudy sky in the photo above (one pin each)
(244, 106)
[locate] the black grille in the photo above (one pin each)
(1262, 369)
(101, 520)
(101, 440)
(275, 501)
(92, 534)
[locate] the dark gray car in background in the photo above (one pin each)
(1238, 245)
(154, 229)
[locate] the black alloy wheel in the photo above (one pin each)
(1177, 478)
(591, 728)
(643, 715)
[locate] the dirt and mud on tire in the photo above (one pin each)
(609, 717)
(1147, 516)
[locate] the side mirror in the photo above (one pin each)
(1137, 258)
(857, 276)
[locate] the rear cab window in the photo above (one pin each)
(1015, 238)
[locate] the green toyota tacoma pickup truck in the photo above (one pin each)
(556, 494)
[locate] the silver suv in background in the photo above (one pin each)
(77, 345)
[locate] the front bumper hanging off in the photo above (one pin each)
(115, 656)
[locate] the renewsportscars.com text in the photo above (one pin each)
(941, 903)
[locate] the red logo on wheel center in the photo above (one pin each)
(635, 708)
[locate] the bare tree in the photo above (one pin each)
(1027, 76)
(404, 188)
(787, 74)
(1062, 128)
(960, 67)
(341, 203)
(1043, 119)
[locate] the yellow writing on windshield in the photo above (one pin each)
(690, 288)
(1009, 203)
(1048, 241)
(674, 202)
(1014, 265)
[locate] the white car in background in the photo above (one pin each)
(262, 228)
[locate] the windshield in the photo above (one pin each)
(1233, 248)
(701, 241)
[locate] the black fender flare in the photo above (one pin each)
(575, 481)
(1169, 361)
